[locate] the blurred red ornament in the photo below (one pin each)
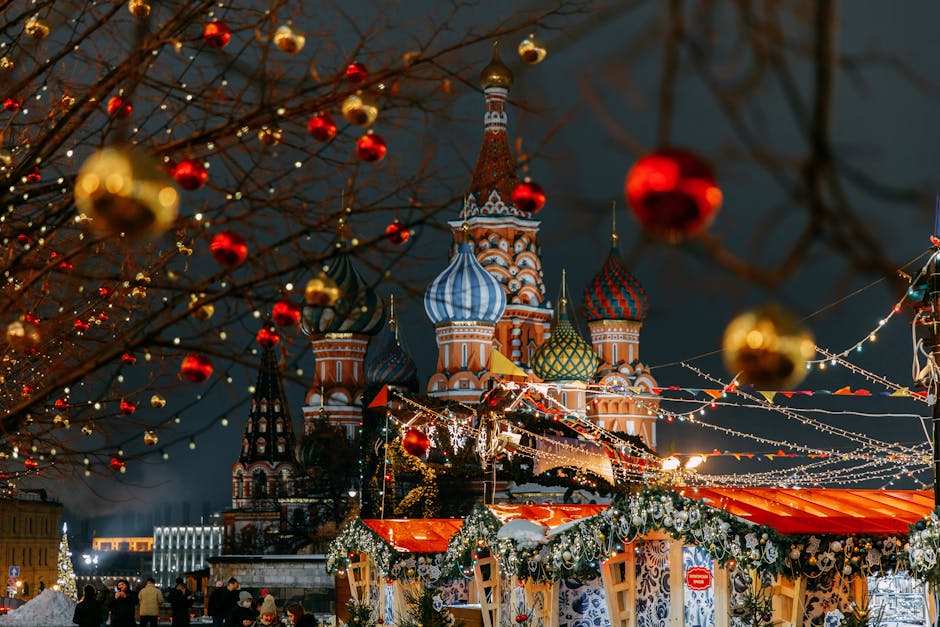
(11, 104)
(116, 464)
(31, 318)
(229, 249)
(190, 174)
(81, 326)
(66, 266)
(397, 234)
(196, 368)
(27, 390)
(673, 193)
(371, 147)
(528, 196)
(119, 107)
(104, 292)
(415, 442)
(216, 35)
(285, 313)
(267, 337)
(103, 316)
(356, 72)
(34, 176)
(322, 127)
(129, 359)
(127, 408)
(23, 239)
(30, 464)
(61, 403)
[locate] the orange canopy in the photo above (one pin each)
(416, 535)
(545, 515)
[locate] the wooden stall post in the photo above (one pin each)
(486, 576)
(676, 584)
(788, 600)
(722, 595)
(548, 611)
(358, 572)
(619, 575)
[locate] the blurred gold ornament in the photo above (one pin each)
(6, 63)
(321, 291)
(87, 430)
(360, 109)
(125, 191)
(288, 40)
(269, 136)
(157, 401)
(60, 421)
(139, 292)
(150, 438)
(139, 8)
(204, 312)
(767, 348)
(23, 336)
(36, 28)
(532, 50)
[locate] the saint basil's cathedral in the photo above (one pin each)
(490, 298)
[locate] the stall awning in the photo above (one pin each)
(545, 515)
(821, 510)
(416, 535)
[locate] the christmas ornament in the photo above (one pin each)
(139, 8)
(415, 442)
(321, 291)
(80, 326)
(150, 438)
(61, 403)
(6, 64)
(23, 336)
(119, 107)
(216, 34)
(34, 176)
(397, 234)
(356, 72)
(196, 368)
(30, 464)
(190, 174)
(532, 50)
(673, 193)
(288, 40)
(157, 401)
(322, 127)
(228, 248)
(124, 191)
(60, 421)
(87, 430)
(116, 464)
(285, 313)
(269, 136)
(203, 312)
(36, 28)
(267, 337)
(528, 196)
(360, 109)
(767, 348)
(127, 408)
(11, 104)
(128, 359)
(371, 147)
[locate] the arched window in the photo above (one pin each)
(260, 446)
(281, 445)
(339, 371)
(259, 484)
(463, 355)
(279, 425)
(277, 406)
(262, 424)
(245, 446)
(264, 406)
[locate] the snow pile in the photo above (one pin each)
(523, 532)
(49, 609)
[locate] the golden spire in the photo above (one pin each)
(563, 301)
(392, 322)
(613, 224)
(496, 74)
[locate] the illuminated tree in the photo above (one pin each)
(65, 577)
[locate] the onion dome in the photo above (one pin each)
(496, 74)
(392, 365)
(566, 356)
(357, 310)
(614, 293)
(465, 291)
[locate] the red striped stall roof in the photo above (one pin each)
(821, 510)
(416, 535)
(545, 515)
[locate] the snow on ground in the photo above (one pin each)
(49, 609)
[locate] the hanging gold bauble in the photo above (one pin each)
(321, 291)
(60, 421)
(87, 430)
(150, 438)
(6, 63)
(203, 312)
(767, 348)
(36, 28)
(23, 336)
(269, 136)
(139, 8)
(124, 191)
(157, 401)
(288, 40)
(532, 50)
(360, 109)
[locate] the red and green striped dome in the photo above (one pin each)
(614, 294)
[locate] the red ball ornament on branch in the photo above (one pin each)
(119, 107)
(81, 326)
(116, 464)
(673, 193)
(371, 147)
(397, 234)
(127, 408)
(196, 368)
(190, 174)
(129, 359)
(216, 34)
(285, 313)
(267, 337)
(322, 127)
(30, 464)
(229, 249)
(415, 442)
(528, 196)
(11, 104)
(356, 72)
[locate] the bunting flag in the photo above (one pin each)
(501, 365)
(380, 399)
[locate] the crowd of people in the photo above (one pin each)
(227, 605)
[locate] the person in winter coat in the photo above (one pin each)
(215, 606)
(122, 605)
(267, 613)
(105, 594)
(88, 612)
(180, 601)
(150, 598)
(299, 617)
(243, 614)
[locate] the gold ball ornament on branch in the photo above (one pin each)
(23, 335)
(150, 438)
(124, 191)
(321, 291)
(37, 28)
(532, 50)
(288, 40)
(157, 401)
(768, 348)
(270, 136)
(139, 8)
(203, 312)
(360, 109)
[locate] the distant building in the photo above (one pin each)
(114, 557)
(29, 542)
(178, 550)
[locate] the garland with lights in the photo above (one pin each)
(355, 538)
(923, 550)
(470, 543)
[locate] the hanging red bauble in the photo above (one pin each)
(127, 408)
(34, 176)
(322, 127)
(190, 174)
(528, 196)
(673, 193)
(119, 107)
(415, 442)
(229, 249)
(30, 464)
(61, 403)
(128, 359)
(66, 266)
(11, 104)
(267, 337)
(397, 234)
(104, 292)
(216, 34)
(356, 72)
(23, 239)
(81, 326)
(116, 464)
(285, 313)
(371, 147)
(196, 368)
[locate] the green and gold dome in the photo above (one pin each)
(566, 356)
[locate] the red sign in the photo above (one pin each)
(698, 578)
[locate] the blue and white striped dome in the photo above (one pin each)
(465, 291)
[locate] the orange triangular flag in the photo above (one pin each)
(845, 390)
(380, 399)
